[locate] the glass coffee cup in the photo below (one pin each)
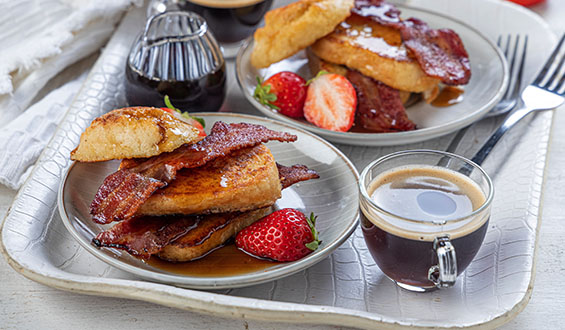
(424, 215)
(231, 21)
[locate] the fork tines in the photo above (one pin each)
(552, 75)
(515, 75)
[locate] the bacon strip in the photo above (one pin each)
(379, 107)
(295, 174)
(124, 191)
(144, 236)
(148, 235)
(440, 53)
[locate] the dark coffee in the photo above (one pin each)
(403, 249)
(205, 94)
(230, 21)
(407, 260)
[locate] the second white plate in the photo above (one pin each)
(487, 85)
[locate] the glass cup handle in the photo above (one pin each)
(444, 274)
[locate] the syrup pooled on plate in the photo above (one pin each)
(448, 96)
(225, 261)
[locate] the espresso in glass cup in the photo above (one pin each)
(231, 21)
(424, 215)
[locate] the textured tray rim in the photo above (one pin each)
(362, 319)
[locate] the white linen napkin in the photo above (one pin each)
(26, 136)
(39, 39)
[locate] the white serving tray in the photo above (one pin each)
(347, 288)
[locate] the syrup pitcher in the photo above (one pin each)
(176, 55)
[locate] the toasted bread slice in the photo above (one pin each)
(211, 232)
(296, 26)
(316, 65)
(376, 51)
(135, 132)
(245, 180)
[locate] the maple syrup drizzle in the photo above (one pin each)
(225, 261)
(448, 96)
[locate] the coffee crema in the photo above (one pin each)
(225, 3)
(431, 196)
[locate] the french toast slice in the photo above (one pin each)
(317, 64)
(134, 132)
(376, 51)
(294, 27)
(245, 180)
(212, 232)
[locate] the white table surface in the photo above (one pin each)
(25, 304)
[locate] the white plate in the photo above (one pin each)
(333, 198)
(488, 82)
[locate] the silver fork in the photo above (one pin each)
(510, 98)
(545, 93)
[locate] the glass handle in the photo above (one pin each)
(444, 274)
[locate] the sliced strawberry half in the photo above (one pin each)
(331, 102)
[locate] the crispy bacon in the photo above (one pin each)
(440, 53)
(295, 174)
(379, 107)
(124, 191)
(148, 235)
(144, 236)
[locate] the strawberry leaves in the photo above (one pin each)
(184, 114)
(263, 94)
(312, 224)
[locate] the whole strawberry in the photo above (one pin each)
(284, 91)
(284, 235)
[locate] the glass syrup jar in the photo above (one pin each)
(176, 55)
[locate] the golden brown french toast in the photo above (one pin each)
(245, 180)
(134, 132)
(296, 26)
(376, 51)
(212, 231)
(316, 65)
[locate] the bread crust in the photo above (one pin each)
(135, 132)
(296, 26)
(245, 180)
(376, 51)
